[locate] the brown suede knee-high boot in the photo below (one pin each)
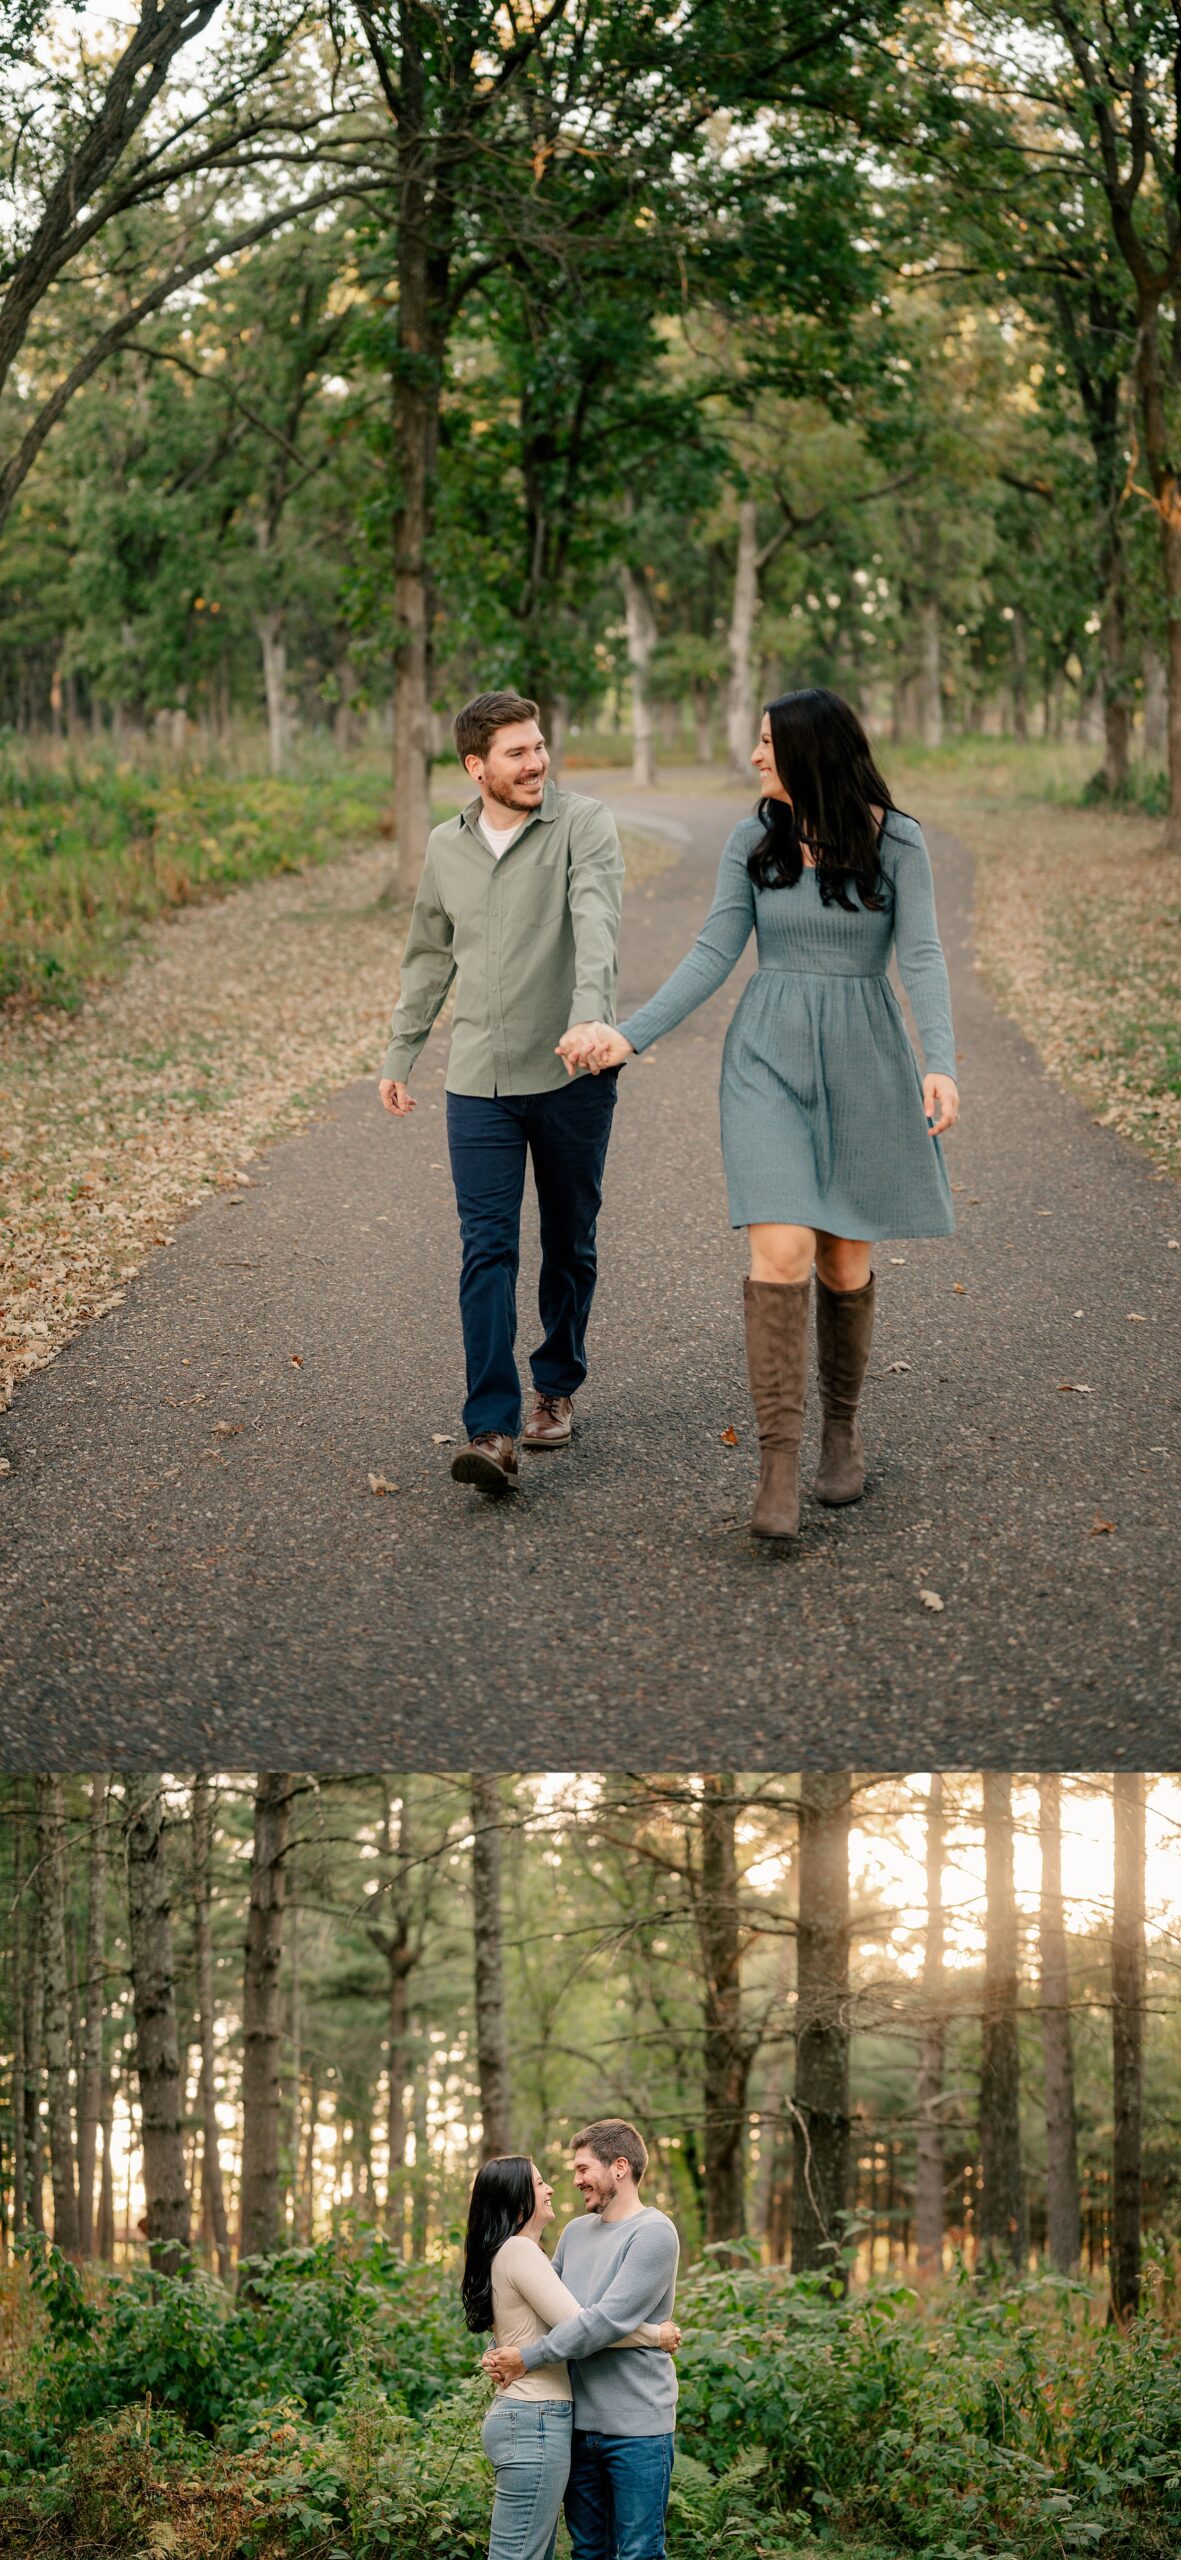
(776, 1359)
(844, 1331)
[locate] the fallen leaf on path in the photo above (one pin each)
(5, 1466)
(443, 1439)
(931, 1600)
(958, 1290)
(1067, 1387)
(1173, 1245)
(381, 1484)
(894, 1367)
(1137, 1319)
(1101, 1528)
(297, 1359)
(898, 1259)
(227, 1430)
(730, 1436)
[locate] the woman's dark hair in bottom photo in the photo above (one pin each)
(824, 759)
(503, 2198)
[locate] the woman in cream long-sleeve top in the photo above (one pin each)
(510, 2287)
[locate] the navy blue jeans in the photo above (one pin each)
(490, 1137)
(617, 2496)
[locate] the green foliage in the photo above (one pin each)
(89, 850)
(332, 2412)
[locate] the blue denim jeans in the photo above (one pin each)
(490, 1137)
(528, 2444)
(617, 2496)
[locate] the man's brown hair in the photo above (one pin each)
(613, 2138)
(475, 727)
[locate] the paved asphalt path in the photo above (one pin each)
(196, 1572)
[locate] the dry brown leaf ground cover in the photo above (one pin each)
(1078, 925)
(231, 1026)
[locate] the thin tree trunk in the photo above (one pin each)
(20, 2192)
(771, 2116)
(294, 2067)
(743, 609)
(928, 2187)
(1127, 2039)
(269, 627)
(1062, 2194)
(1020, 675)
(703, 725)
(34, 2007)
(641, 640)
(105, 2235)
(820, 2177)
(930, 689)
(213, 2203)
(401, 1956)
(262, 2083)
(496, 2112)
(424, 232)
(726, 2056)
(51, 1825)
(157, 2051)
(420, 2190)
(90, 2089)
(1156, 704)
(1001, 2234)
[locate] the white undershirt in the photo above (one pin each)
(499, 838)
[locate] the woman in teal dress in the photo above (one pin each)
(830, 1134)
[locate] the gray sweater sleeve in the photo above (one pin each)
(632, 2297)
(921, 964)
(721, 941)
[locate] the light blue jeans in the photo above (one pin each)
(528, 2445)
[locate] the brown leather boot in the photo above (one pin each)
(776, 1359)
(844, 1332)
(490, 1460)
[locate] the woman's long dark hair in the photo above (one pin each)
(503, 2199)
(823, 758)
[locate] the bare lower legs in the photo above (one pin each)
(789, 1254)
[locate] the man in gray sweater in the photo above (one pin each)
(620, 2261)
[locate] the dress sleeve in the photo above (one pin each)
(721, 941)
(921, 963)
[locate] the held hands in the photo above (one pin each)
(594, 1045)
(505, 2364)
(941, 1102)
(395, 1097)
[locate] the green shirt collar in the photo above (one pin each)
(550, 808)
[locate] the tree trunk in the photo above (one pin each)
(51, 1826)
(424, 233)
(641, 640)
(262, 2080)
(1000, 2133)
(1127, 2039)
(930, 691)
(420, 2190)
(726, 2056)
(213, 2203)
(1156, 705)
(491, 2033)
(105, 2235)
(744, 607)
(34, 1994)
(157, 2053)
(20, 2183)
(91, 2077)
(401, 1957)
(821, 2127)
(771, 2110)
(928, 2187)
(1020, 675)
(269, 627)
(1062, 2193)
(1117, 715)
(703, 724)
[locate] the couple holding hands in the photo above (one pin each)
(830, 1131)
(586, 2388)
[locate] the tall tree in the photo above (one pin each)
(262, 2079)
(928, 2194)
(157, 2047)
(213, 2203)
(400, 1941)
(496, 2106)
(1063, 2229)
(1127, 2039)
(727, 2050)
(1001, 2198)
(91, 2071)
(820, 2177)
(51, 1830)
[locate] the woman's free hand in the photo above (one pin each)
(941, 1102)
(670, 2337)
(594, 1045)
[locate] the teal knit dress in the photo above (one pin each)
(822, 1101)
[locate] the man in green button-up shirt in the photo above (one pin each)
(518, 906)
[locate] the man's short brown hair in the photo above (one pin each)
(613, 2138)
(475, 727)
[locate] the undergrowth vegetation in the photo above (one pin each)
(331, 2411)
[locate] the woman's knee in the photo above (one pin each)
(781, 1254)
(843, 1262)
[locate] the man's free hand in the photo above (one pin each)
(395, 1097)
(592, 1044)
(505, 2364)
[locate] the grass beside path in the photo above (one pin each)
(1078, 923)
(215, 1030)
